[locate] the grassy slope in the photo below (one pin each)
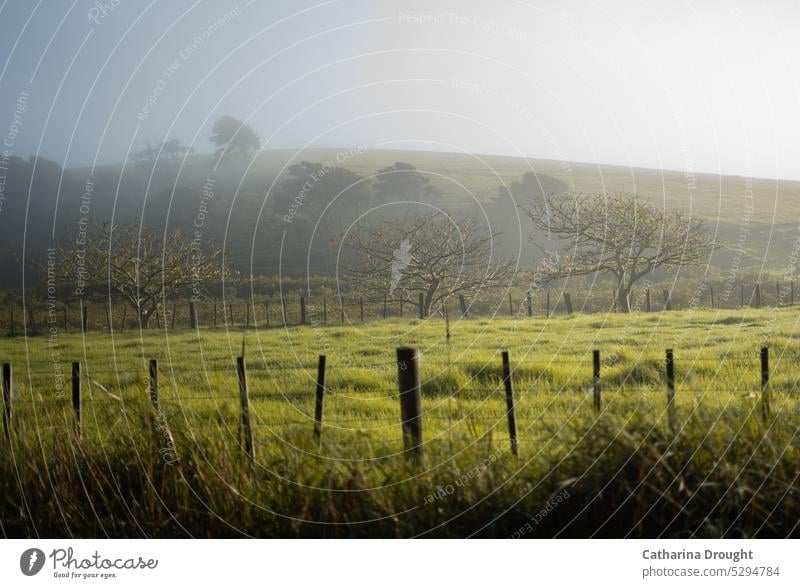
(710, 195)
(725, 472)
(769, 209)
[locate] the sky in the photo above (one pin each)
(702, 86)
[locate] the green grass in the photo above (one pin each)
(722, 471)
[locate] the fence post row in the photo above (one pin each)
(510, 410)
(462, 303)
(410, 401)
(421, 306)
(244, 400)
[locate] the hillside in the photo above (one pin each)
(249, 205)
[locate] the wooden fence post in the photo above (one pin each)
(446, 319)
(192, 315)
(283, 310)
(172, 319)
(647, 299)
(777, 293)
(765, 407)
(341, 310)
(512, 417)
(421, 306)
(76, 395)
(568, 302)
(510, 306)
(31, 321)
(302, 310)
(410, 401)
(108, 315)
(758, 296)
(670, 369)
(320, 397)
(596, 378)
(8, 397)
(124, 315)
(547, 312)
(160, 425)
(711, 288)
(244, 400)
(84, 318)
(530, 304)
(385, 303)
(248, 305)
(463, 303)
(154, 384)
(361, 302)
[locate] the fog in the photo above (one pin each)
(705, 87)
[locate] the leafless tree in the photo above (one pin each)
(618, 235)
(434, 256)
(145, 267)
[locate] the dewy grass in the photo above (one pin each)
(721, 470)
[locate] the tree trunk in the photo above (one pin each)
(145, 315)
(428, 300)
(623, 298)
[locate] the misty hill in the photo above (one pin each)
(301, 204)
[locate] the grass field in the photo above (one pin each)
(721, 470)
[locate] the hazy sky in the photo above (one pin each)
(699, 86)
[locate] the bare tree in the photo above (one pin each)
(618, 235)
(434, 256)
(145, 267)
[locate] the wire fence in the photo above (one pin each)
(291, 406)
(41, 317)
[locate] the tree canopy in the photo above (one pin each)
(617, 234)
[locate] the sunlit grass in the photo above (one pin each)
(721, 470)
